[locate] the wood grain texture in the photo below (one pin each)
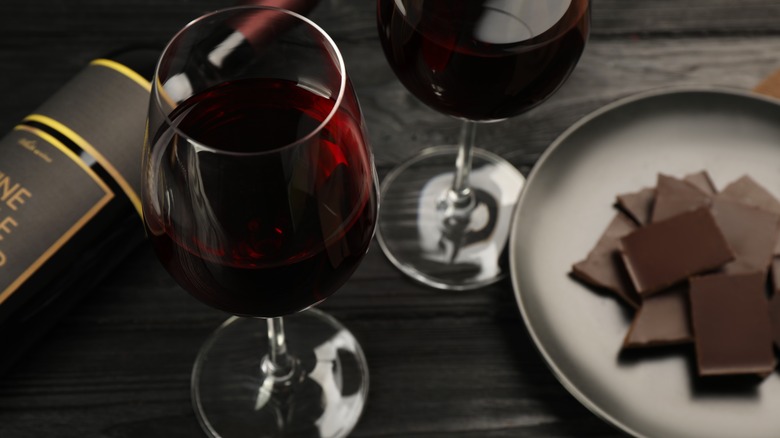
(442, 364)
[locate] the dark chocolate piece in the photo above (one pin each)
(603, 268)
(702, 181)
(674, 196)
(667, 252)
(733, 333)
(747, 191)
(638, 205)
(750, 232)
(776, 275)
(662, 319)
(774, 317)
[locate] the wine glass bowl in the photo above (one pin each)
(260, 200)
(483, 60)
(238, 228)
(478, 61)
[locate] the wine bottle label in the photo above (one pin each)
(65, 163)
(98, 111)
(39, 212)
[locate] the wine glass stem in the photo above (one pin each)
(279, 363)
(460, 195)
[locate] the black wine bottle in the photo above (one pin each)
(69, 186)
(227, 48)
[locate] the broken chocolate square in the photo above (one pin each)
(667, 252)
(774, 317)
(730, 315)
(674, 196)
(663, 319)
(750, 232)
(638, 205)
(702, 181)
(747, 191)
(602, 267)
(776, 275)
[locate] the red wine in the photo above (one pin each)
(484, 59)
(251, 224)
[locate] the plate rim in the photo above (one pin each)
(564, 380)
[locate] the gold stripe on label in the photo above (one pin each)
(164, 96)
(130, 73)
(76, 226)
(83, 144)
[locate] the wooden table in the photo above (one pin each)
(442, 364)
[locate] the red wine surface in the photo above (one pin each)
(249, 223)
(483, 60)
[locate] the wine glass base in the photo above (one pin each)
(412, 230)
(323, 396)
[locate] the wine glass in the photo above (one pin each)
(479, 61)
(260, 199)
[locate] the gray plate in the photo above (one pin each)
(567, 203)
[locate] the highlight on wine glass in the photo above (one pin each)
(446, 212)
(260, 199)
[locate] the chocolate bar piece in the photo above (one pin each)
(733, 333)
(638, 205)
(750, 232)
(663, 319)
(667, 252)
(774, 302)
(774, 317)
(776, 275)
(674, 196)
(603, 268)
(702, 181)
(747, 191)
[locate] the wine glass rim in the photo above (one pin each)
(329, 41)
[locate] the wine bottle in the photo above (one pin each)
(226, 48)
(70, 183)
